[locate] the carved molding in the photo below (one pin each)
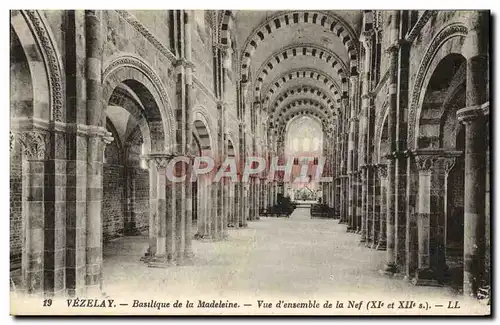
(132, 20)
(454, 29)
(422, 20)
(39, 125)
(131, 61)
(51, 61)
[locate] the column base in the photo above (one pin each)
(187, 259)
(148, 256)
(389, 269)
(425, 277)
(163, 261)
(203, 237)
(382, 245)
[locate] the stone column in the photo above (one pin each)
(214, 220)
(359, 202)
(33, 211)
(433, 167)
(369, 206)
(342, 201)
(201, 209)
(151, 251)
(95, 149)
(473, 116)
(376, 208)
(179, 203)
(364, 187)
(411, 260)
(382, 242)
(390, 267)
(251, 198)
(160, 256)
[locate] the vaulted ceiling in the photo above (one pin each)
(298, 62)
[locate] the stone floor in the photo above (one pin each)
(274, 258)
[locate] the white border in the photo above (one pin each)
(199, 4)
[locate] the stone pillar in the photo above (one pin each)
(390, 267)
(251, 198)
(212, 204)
(95, 149)
(376, 208)
(151, 251)
(188, 220)
(382, 242)
(411, 260)
(342, 200)
(473, 116)
(200, 208)
(369, 206)
(359, 200)
(431, 219)
(474, 200)
(354, 189)
(33, 211)
(364, 187)
(400, 208)
(160, 256)
(180, 212)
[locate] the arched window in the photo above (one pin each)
(295, 144)
(305, 145)
(315, 144)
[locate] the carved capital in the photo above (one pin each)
(426, 163)
(34, 144)
(366, 38)
(160, 160)
(448, 163)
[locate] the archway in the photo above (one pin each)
(138, 113)
(208, 223)
(303, 144)
(31, 108)
(440, 139)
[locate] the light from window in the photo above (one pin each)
(143, 162)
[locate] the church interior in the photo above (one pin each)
(397, 102)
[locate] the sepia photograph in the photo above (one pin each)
(250, 162)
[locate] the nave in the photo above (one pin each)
(283, 258)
